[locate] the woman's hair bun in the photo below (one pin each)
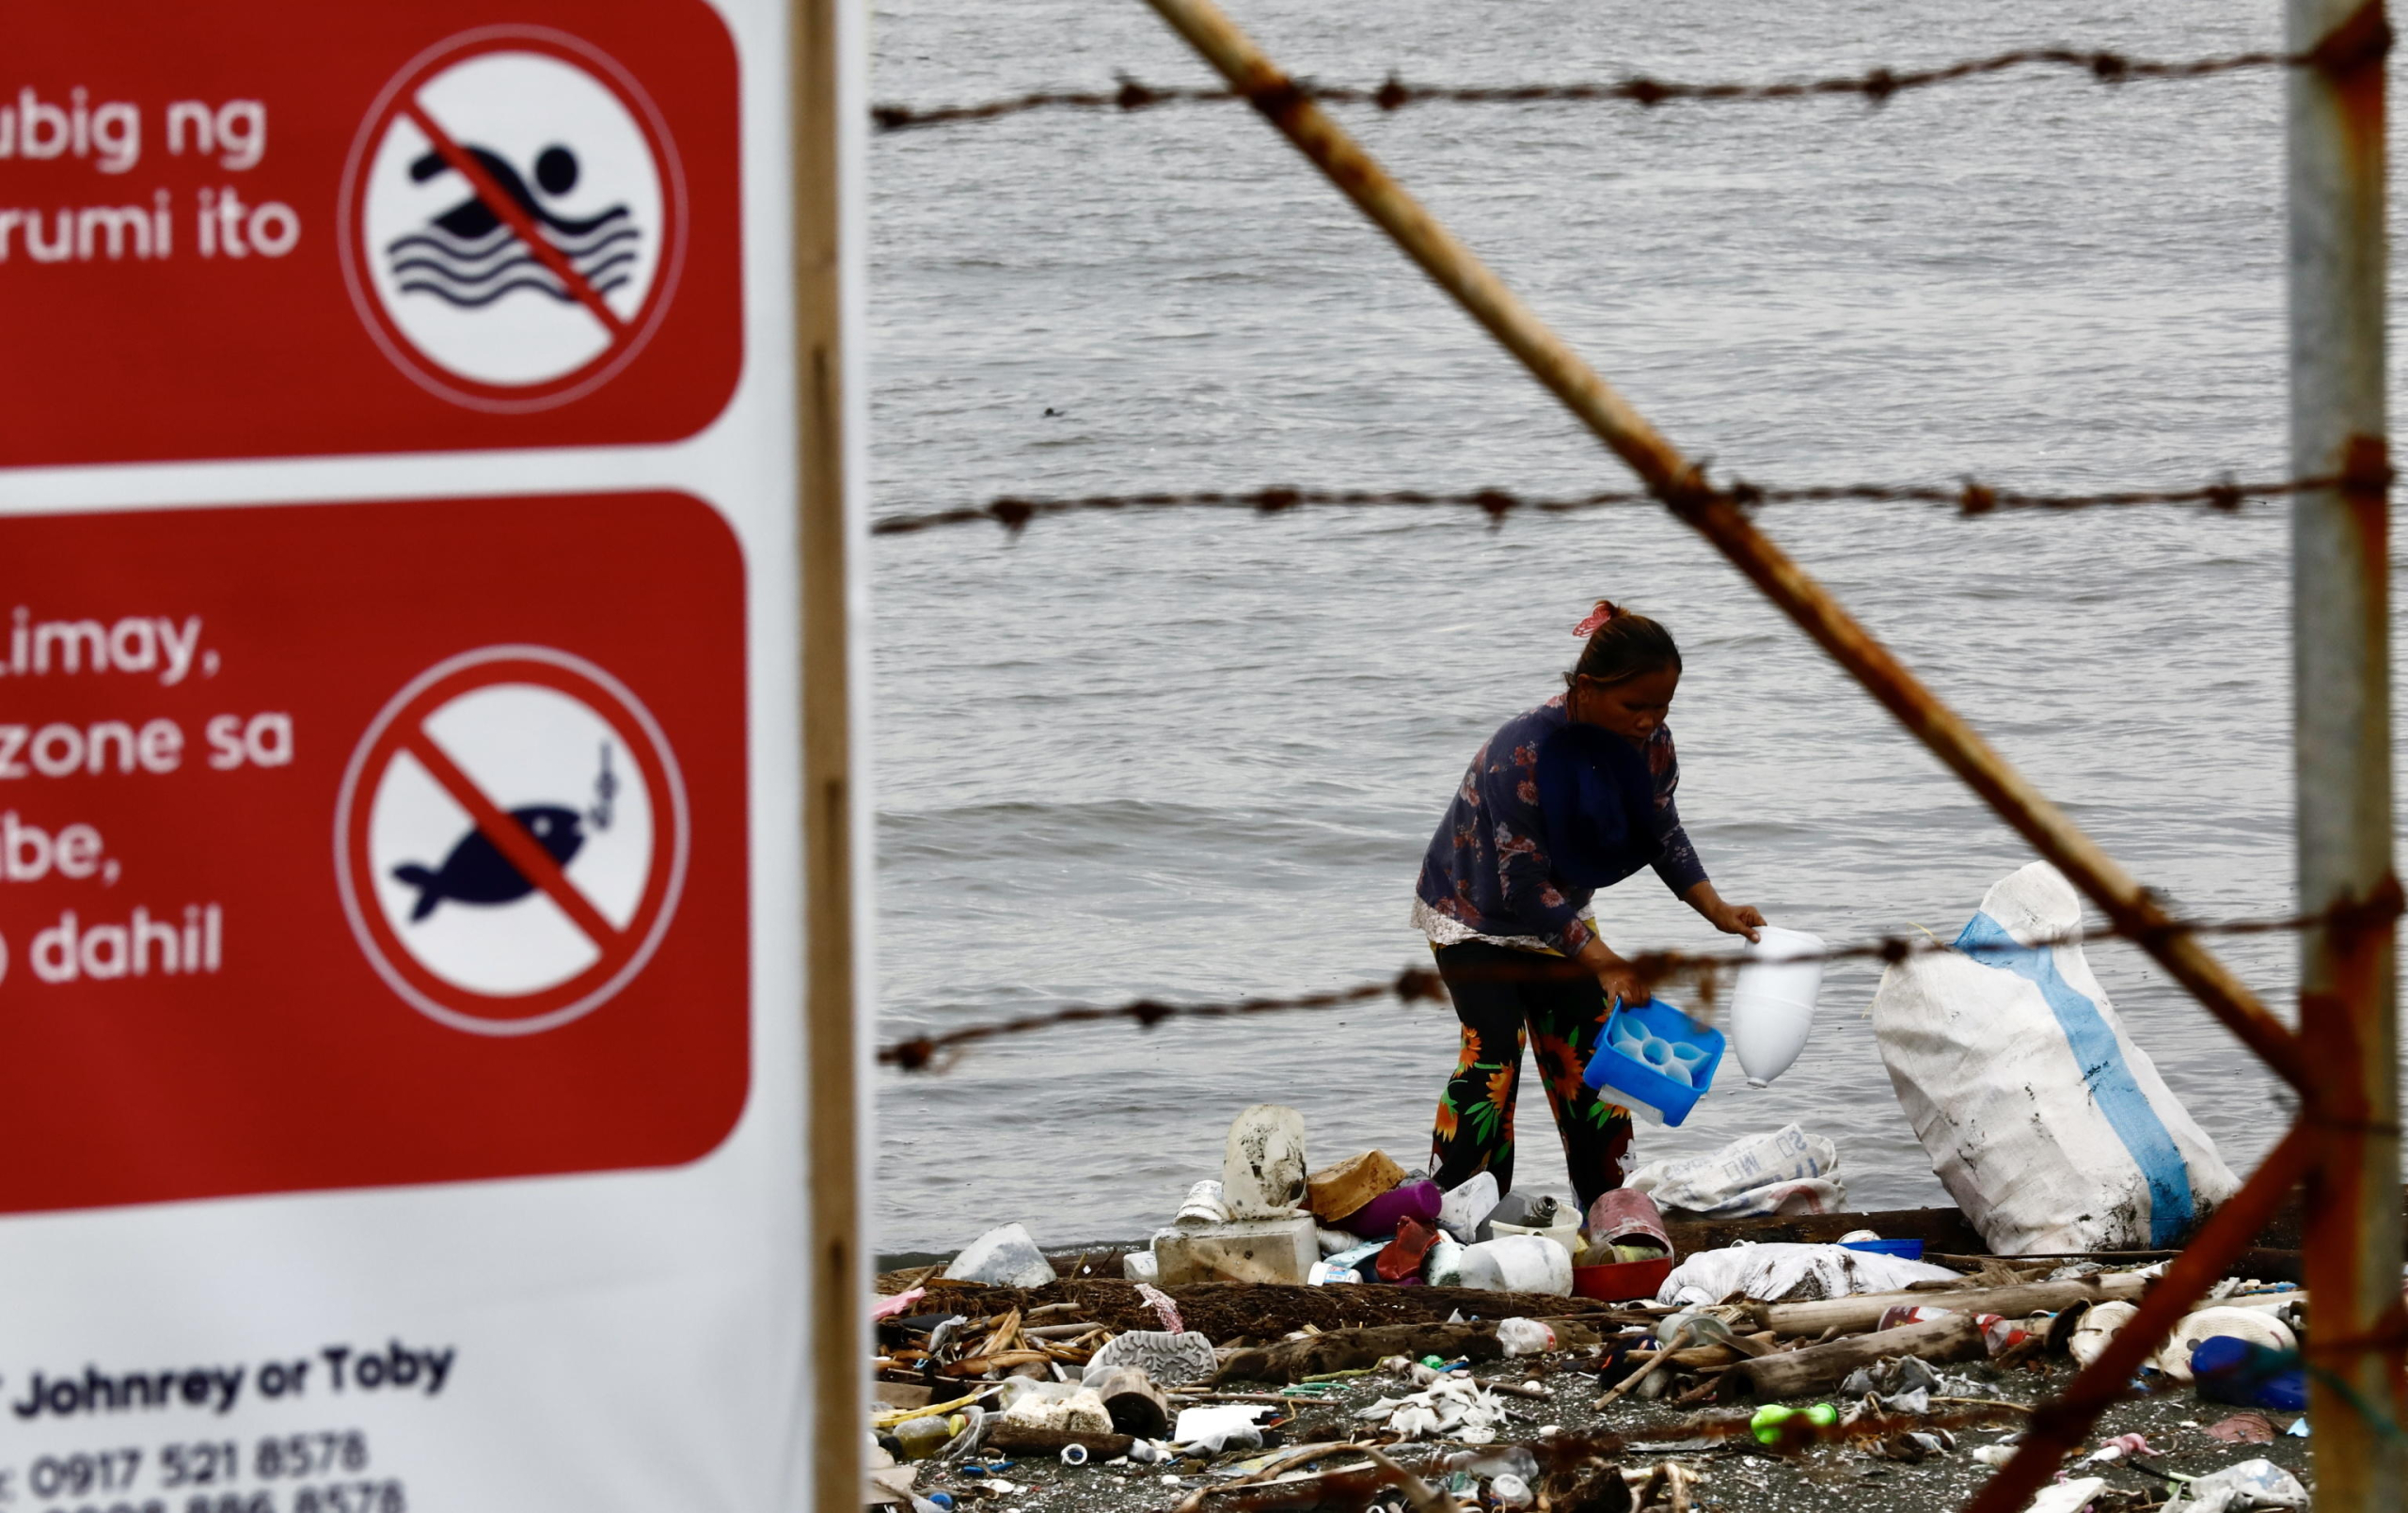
(1601, 615)
(1622, 645)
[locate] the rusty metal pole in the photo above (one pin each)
(2340, 566)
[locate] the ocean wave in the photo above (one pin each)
(616, 226)
(471, 272)
(588, 268)
(542, 281)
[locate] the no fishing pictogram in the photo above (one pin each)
(514, 218)
(511, 840)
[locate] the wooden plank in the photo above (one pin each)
(1818, 1369)
(1849, 1314)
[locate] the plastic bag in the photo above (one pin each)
(1786, 1172)
(2049, 1128)
(1791, 1273)
(2251, 1484)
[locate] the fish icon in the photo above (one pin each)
(476, 872)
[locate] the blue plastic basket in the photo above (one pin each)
(1641, 1087)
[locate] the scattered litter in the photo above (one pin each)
(1204, 1205)
(1169, 1359)
(1786, 1172)
(1791, 1273)
(2250, 1485)
(2066, 1496)
(1219, 1428)
(2117, 1448)
(1525, 1336)
(1004, 1257)
(2249, 1324)
(2244, 1428)
(2099, 1325)
(970, 1369)
(1262, 1165)
(1464, 1208)
(1159, 1301)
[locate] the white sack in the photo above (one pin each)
(1788, 1171)
(1793, 1274)
(2049, 1128)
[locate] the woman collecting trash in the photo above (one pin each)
(1566, 799)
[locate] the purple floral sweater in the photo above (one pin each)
(1487, 868)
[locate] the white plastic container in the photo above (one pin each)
(1566, 1232)
(1526, 1263)
(1772, 1007)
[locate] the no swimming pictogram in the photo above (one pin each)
(514, 218)
(511, 835)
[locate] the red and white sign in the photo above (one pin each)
(290, 229)
(412, 1091)
(446, 804)
(536, 901)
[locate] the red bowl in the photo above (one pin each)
(1622, 1282)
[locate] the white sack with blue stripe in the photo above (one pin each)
(2049, 1128)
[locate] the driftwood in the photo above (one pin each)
(1820, 1368)
(1351, 1349)
(1020, 1439)
(1863, 1311)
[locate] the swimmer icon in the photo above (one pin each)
(481, 898)
(513, 219)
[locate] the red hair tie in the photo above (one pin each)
(1597, 617)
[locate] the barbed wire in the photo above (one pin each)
(1876, 85)
(1415, 985)
(1970, 498)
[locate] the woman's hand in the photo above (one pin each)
(1731, 918)
(1616, 976)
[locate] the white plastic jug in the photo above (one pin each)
(1772, 1008)
(1526, 1263)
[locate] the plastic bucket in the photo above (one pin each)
(1622, 1281)
(1641, 1082)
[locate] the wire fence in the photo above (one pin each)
(1417, 984)
(1875, 85)
(1968, 498)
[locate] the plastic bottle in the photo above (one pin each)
(1525, 1336)
(1772, 1006)
(923, 1437)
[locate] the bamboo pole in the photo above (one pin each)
(825, 66)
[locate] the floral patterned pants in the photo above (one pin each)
(1505, 998)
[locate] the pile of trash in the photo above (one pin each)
(1366, 1219)
(1859, 1345)
(1373, 1339)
